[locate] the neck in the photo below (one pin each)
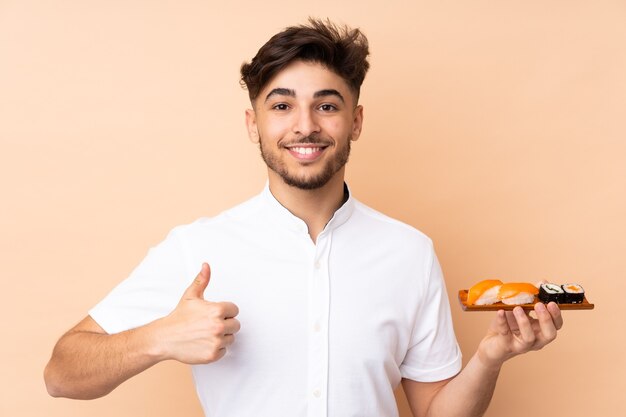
(314, 207)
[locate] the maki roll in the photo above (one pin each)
(574, 293)
(551, 292)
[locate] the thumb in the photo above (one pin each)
(197, 287)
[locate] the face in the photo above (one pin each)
(304, 120)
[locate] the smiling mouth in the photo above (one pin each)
(306, 152)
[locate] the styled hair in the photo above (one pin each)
(339, 48)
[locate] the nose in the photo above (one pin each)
(305, 122)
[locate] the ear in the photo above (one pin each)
(253, 130)
(357, 122)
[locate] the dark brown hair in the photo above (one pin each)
(338, 48)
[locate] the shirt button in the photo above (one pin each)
(318, 265)
(317, 327)
(317, 393)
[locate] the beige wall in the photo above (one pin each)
(498, 128)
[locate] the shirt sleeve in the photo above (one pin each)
(152, 290)
(434, 353)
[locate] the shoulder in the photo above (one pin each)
(237, 217)
(380, 222)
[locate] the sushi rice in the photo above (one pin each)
(520, 298)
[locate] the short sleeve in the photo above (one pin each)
(152, 290)
(434, 353)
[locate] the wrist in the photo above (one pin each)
(154, 341)
(487, 359)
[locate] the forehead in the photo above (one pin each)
(305, 79)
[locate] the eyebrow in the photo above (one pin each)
(291, 93)
(280, 92)
(329, 92)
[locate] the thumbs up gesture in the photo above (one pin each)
(198, 331)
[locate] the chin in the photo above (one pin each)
(306, 184)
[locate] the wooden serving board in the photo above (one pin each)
(585, 305)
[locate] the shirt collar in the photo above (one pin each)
(281, 214)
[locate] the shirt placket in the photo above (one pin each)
(319, 304)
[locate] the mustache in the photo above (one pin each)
(310, 139)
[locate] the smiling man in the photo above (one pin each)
(317, 305)
(285, 110)
(304, 119)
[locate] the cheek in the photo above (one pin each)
(273, 130)
(339, 127)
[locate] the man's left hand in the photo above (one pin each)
(514, 332)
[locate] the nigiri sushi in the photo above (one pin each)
(484, 293)
(517, 293)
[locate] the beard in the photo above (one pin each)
(307, 182)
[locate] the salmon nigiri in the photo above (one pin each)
(517, 293)
(483, 293)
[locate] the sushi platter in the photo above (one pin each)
(583, 305)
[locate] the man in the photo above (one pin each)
(339, 303)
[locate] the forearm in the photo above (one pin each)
(87, 365)
(469, 393)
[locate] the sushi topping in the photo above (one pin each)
(512, 289)
(478, 290)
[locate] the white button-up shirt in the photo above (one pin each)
(327, 328)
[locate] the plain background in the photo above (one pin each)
(496, 127)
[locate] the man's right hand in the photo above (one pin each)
(88, 363)
(198, 331)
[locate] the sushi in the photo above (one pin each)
(517, 293)
(492, 294)
(574, 293)
(484, 292)
(551, 292)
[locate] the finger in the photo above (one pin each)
(555, 312)
(223, 343)
(227, 310)
(227, 340)
(219, 354)
(525, 328)
(197, 287)
(231, 326)
(546, 324)
(500, 323)
(511, 321)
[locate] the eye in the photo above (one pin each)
(280, 106)
(327, 107)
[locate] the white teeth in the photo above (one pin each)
(305, 151)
